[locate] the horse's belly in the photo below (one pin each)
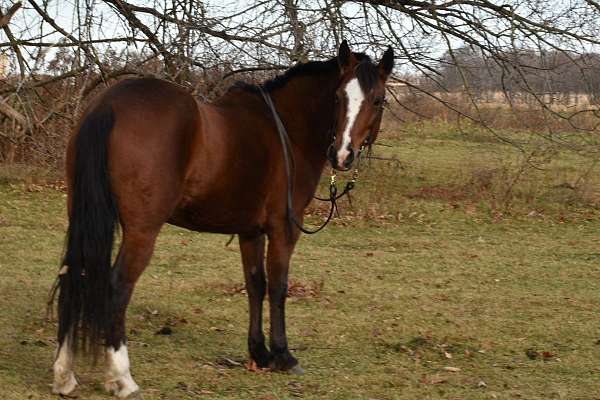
(218, 216)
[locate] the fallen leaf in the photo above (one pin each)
(452, 369)
(437, 380)
(532, 354)
(251, 366)
(547, 355)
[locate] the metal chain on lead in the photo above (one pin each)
(349, 185)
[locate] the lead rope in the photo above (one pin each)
(289, 165)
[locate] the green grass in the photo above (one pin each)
(410, 283)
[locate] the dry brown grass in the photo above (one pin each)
(444, 303)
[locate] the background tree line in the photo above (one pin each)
(550, 72)
(58, 53)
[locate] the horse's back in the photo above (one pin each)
(155, 123)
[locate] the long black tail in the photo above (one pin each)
(84, 301)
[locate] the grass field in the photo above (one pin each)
(443, 282)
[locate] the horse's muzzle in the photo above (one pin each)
(332, 156)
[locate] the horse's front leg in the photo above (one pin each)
(253, 259)
(281, 246)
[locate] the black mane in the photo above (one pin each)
(366, 73)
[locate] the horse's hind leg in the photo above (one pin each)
(253, 256)
(134, 255)
(64, 378)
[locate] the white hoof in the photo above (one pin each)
(122, 387)
(64, 379)
(64, 382)
(118, 378)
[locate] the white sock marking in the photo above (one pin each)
(64, 379)
(118, 377)
(355, 97)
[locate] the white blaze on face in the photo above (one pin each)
(355, 97)
(118, 377)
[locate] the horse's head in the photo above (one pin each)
(359, 104)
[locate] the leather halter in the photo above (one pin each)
(289, 167)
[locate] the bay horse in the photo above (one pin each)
(146, 153)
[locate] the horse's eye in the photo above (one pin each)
(378, 102)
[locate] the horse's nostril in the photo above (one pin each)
(349, 158)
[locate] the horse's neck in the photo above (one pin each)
(306, 108)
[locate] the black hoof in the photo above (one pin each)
(283, 362)
(261, 356)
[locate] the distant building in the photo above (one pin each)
(4, 65)
(399, 88)
(394, 84)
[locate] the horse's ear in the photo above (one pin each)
(386, 65)
(345, 56)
